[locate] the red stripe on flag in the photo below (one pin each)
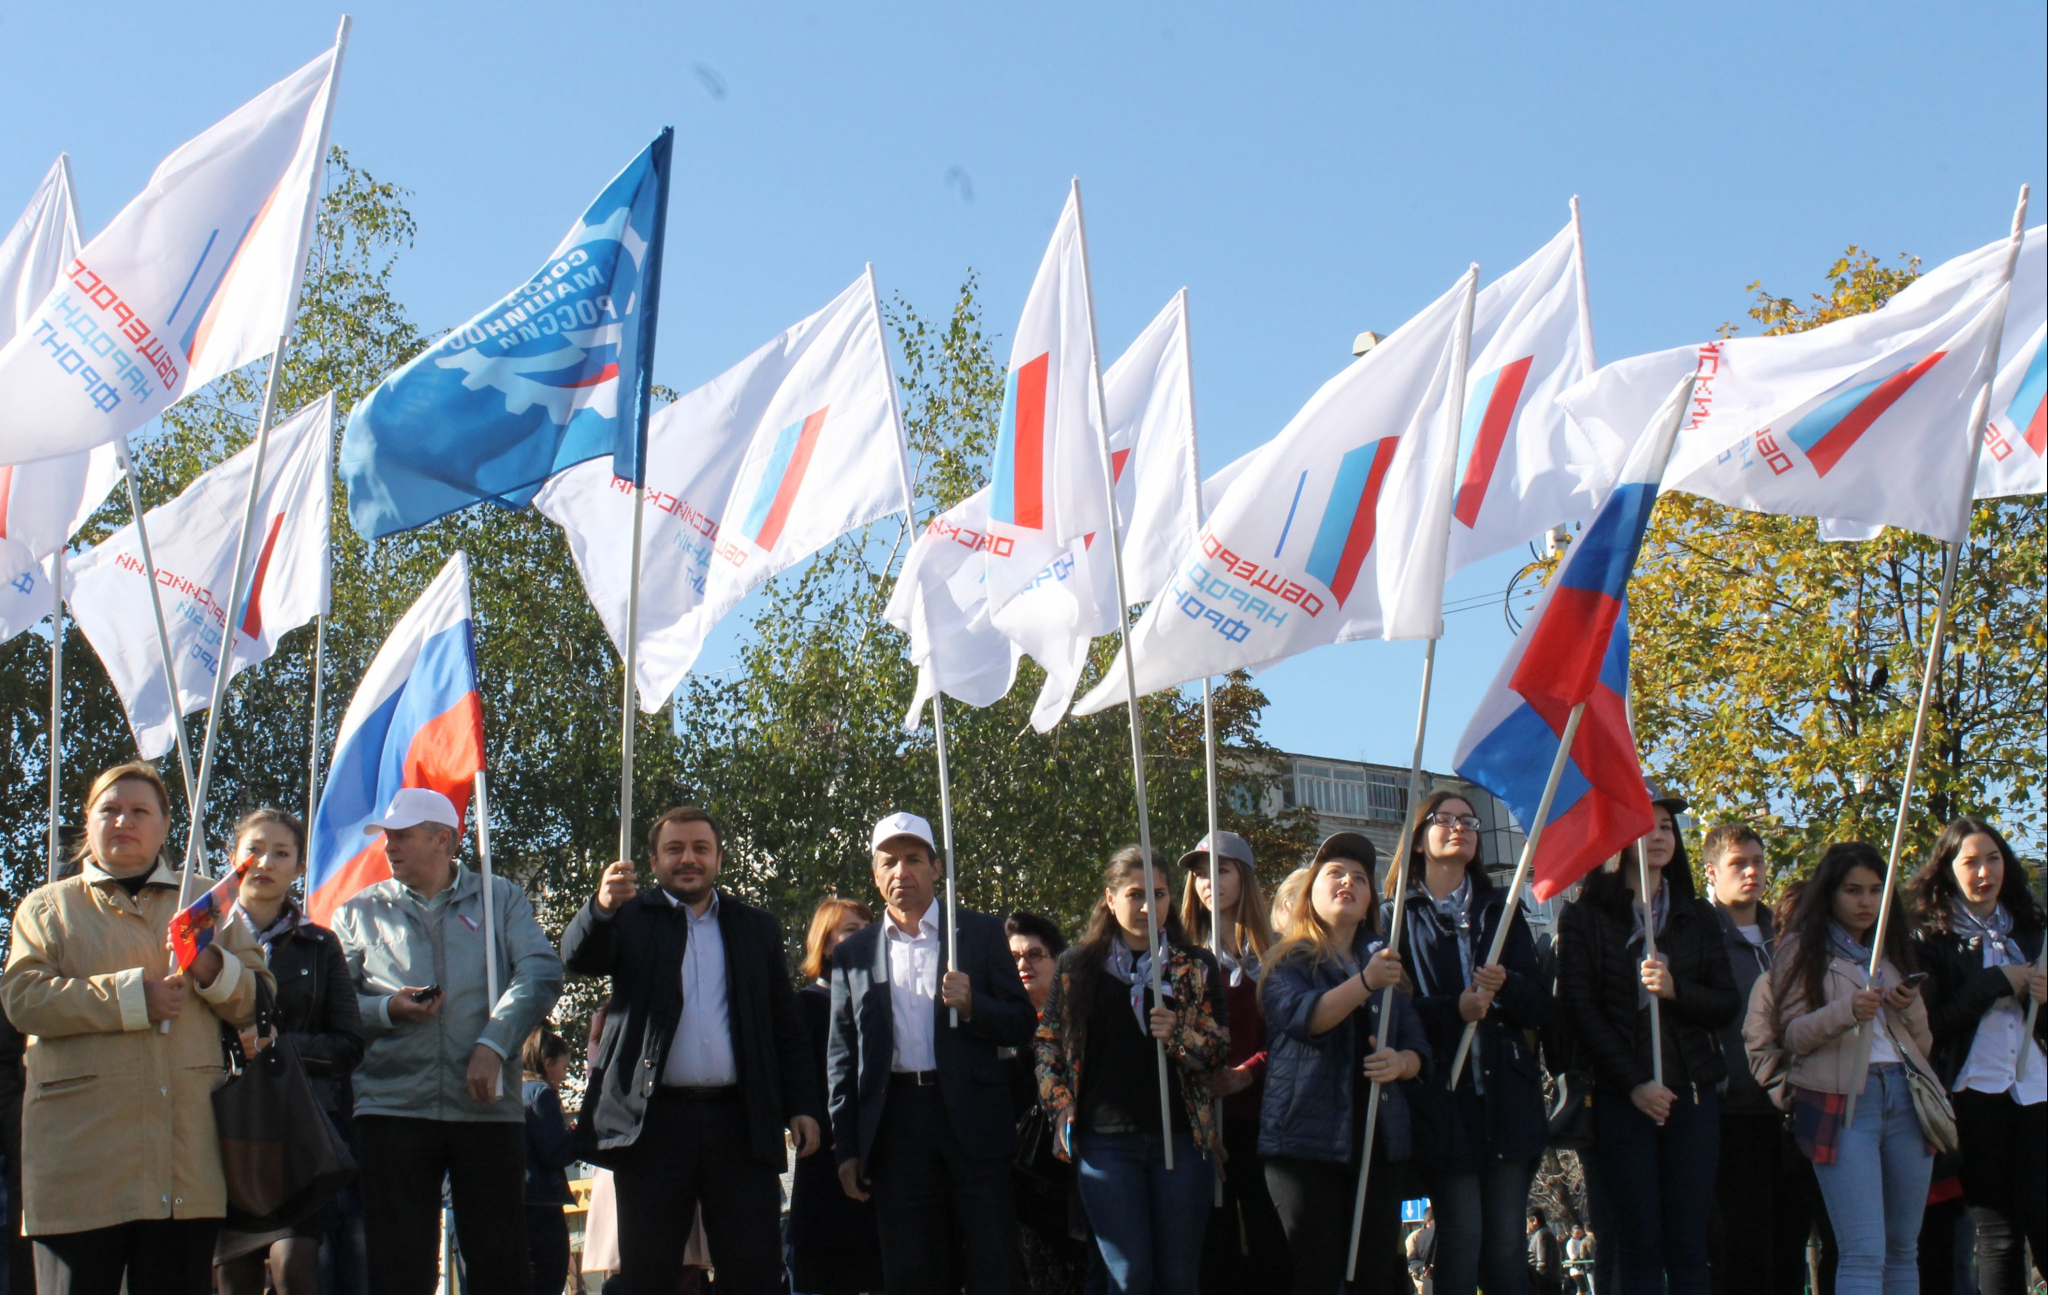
(1561, 664)
(2036, 436)
(1612, 812)
(1027, 506)
(1493, 433)
(1829, 449)
(7, 490)
(252, 618)
(606, 374)
(447, 751)
(366, 869)
(1364, 522)
(792, 480)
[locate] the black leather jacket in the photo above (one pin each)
(1960, 989)
(317, 1010)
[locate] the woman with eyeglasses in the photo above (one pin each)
(1246, 1250)
(1979, 938)
(1478, 1145)
(1650, 1173)
(1337, 1025)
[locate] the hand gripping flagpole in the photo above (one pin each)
(1123, 618)
(1454, 412)
(483, 860)
(56, 709)
(156, 605)
(1523, 866)
(1979, 410)
(1649, 902)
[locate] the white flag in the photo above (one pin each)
(941, 602)
(1864, 420)
(747, 475)
(193, 539)
(41, 504)
(1046, 478)
(2015, 459)
(1523, 467)
(198, 275)
(1335, 531)
(1158, 485)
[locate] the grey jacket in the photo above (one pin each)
(393, 939)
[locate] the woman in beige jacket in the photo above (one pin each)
(1804, 1016)
(121, 1169)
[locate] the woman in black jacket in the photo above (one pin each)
(317, 1011)
(834, 1247)
(1477, 1146)
(1979, 937)
(1655, 1144)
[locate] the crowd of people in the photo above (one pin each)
(1177, 1102)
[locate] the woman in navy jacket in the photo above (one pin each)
(1478, 1146)
(1326, 1045)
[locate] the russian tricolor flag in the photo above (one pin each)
(1574, 650)
(416, 721)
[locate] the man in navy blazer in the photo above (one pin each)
(920, 1104)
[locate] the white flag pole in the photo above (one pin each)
(1216, 879)
(1979, 410)
(628, 699)
(1123, 618)
(1523, 866)
(1585, 297)
(483, 859)
(156, 605)
(313, 758)
(1454, 412)
(1649, 902)
(56, 708)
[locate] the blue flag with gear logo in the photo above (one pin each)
(555, 372)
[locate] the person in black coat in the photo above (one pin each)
(921, 1113)
(834, 1246)
(317, 1010)
(1979, 938)
(1652, 1168)
(1478, 1146)
(702, 1065)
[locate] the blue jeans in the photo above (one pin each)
(1658, 1188)
(1480, 1227)
(1148, 1220)
(1877, 1188)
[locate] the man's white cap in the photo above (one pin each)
(413, 806)
(902, 825)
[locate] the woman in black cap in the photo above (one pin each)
(1332, 1032)
(1478, 1145)
(1650, 1174)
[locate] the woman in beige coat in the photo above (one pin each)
(1804, 1016)
(121, 1170)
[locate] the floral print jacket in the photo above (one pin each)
(1200, 1042)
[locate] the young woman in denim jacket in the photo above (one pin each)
(1098, 1075)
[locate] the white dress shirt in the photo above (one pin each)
(913, 990)
(1995, 1052)
(700, 1054)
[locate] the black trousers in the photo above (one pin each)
(1314, 1200)
(1244, 1251)
(694, 1152)
(156, 1256)
(1760, 1223)
(938, 1207)
(2005, 1180)
(547, 1241)
(403, 1162)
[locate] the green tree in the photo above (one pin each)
(1776, 676)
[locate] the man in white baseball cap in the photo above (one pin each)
(431, 1097)
(911, 1067)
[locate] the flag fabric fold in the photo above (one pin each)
(193, 540)
(42, 504)
(550, 375)
(1334, 531)
(1523, 467)
(1863, 420)
(2015, 459)
(1575, 650)
(746, 476)
(416, 720)
(198, 275)
(1158, 485)
(1045, 481)
(941, 602)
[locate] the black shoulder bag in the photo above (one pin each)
(279, 1152)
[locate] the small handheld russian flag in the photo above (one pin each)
(192, 927)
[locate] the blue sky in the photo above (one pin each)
(1307, 171)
